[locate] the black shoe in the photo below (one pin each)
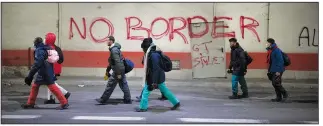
(100, 101)
(67, 95)
(175, 106)
(276, 100)
(127, 101)
(244, 95)
(138, 97)
(50, 101)
(234, 96)
(141, 110)
(26, 106)
(61, 107)
(285, 97)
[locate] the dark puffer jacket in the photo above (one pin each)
(238, 61)
(41, 66)
(155, 74)
(116, 59)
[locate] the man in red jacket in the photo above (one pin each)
(50, 41)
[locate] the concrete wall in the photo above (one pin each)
(86, 53)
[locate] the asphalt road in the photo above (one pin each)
(199, 105)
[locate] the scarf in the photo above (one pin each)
(145, 64)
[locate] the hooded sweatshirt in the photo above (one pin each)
(50, 41)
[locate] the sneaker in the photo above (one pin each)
(100, 101)
(127, 101)
(244, 95)
(50, 101)
(234, 96)
(176, 106)
(61, 107)
(140, 110)
(26, 106)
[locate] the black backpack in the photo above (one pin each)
(286, 59)
(248, 58)
(165, 62)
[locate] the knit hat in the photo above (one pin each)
(146, 43)
(271, 41)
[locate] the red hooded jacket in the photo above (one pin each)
(50, 41)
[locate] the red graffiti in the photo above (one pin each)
(204, 60)
(111, 29)
(83, 36)
(250, 27)
(223, 34)
(162, 34)
(136, 24)
(197, 35)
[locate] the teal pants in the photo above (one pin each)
(162, 87)
(242, 81)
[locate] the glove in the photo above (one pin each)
(106, 77)
(28, 81)
(229, 71)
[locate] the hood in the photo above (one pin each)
(155, 48)
(116, 45)
(50, 39)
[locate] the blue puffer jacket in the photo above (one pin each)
(41, 66)
(276, 63)
(155, 74)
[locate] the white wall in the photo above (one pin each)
(116, 14)
(22, 22)
(286, 23)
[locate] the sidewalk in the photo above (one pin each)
(209, 82)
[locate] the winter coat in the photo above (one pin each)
(44, 69)
(276, 62)
(50, 41)
(154, 73)
(238, 61)
(116, 59)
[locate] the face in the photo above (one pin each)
(268, 44)
(109, 42)
(232, 44)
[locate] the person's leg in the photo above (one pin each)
(59, 95)
(169, 95)
(244, 87)
(235, 80)
(123, 84)
(51, 98)
(280, 87)
(275, 83)
(112, 83)
(144, 99)
(32, 96)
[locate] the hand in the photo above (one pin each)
(229, 71)
(277, 73)
(28, 81)
(106, 77)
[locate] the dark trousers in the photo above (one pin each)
(277, 84)
(112, 83)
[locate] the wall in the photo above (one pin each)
(83, 28)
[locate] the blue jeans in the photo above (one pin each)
(242, 81)
(162, 87)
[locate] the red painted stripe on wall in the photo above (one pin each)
(99, 59)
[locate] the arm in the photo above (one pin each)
(117, 60)
(39, 61)
(155, 68)
(243, 62)
(60, 54)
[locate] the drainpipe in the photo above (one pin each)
(29, 58)
(268, 15)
